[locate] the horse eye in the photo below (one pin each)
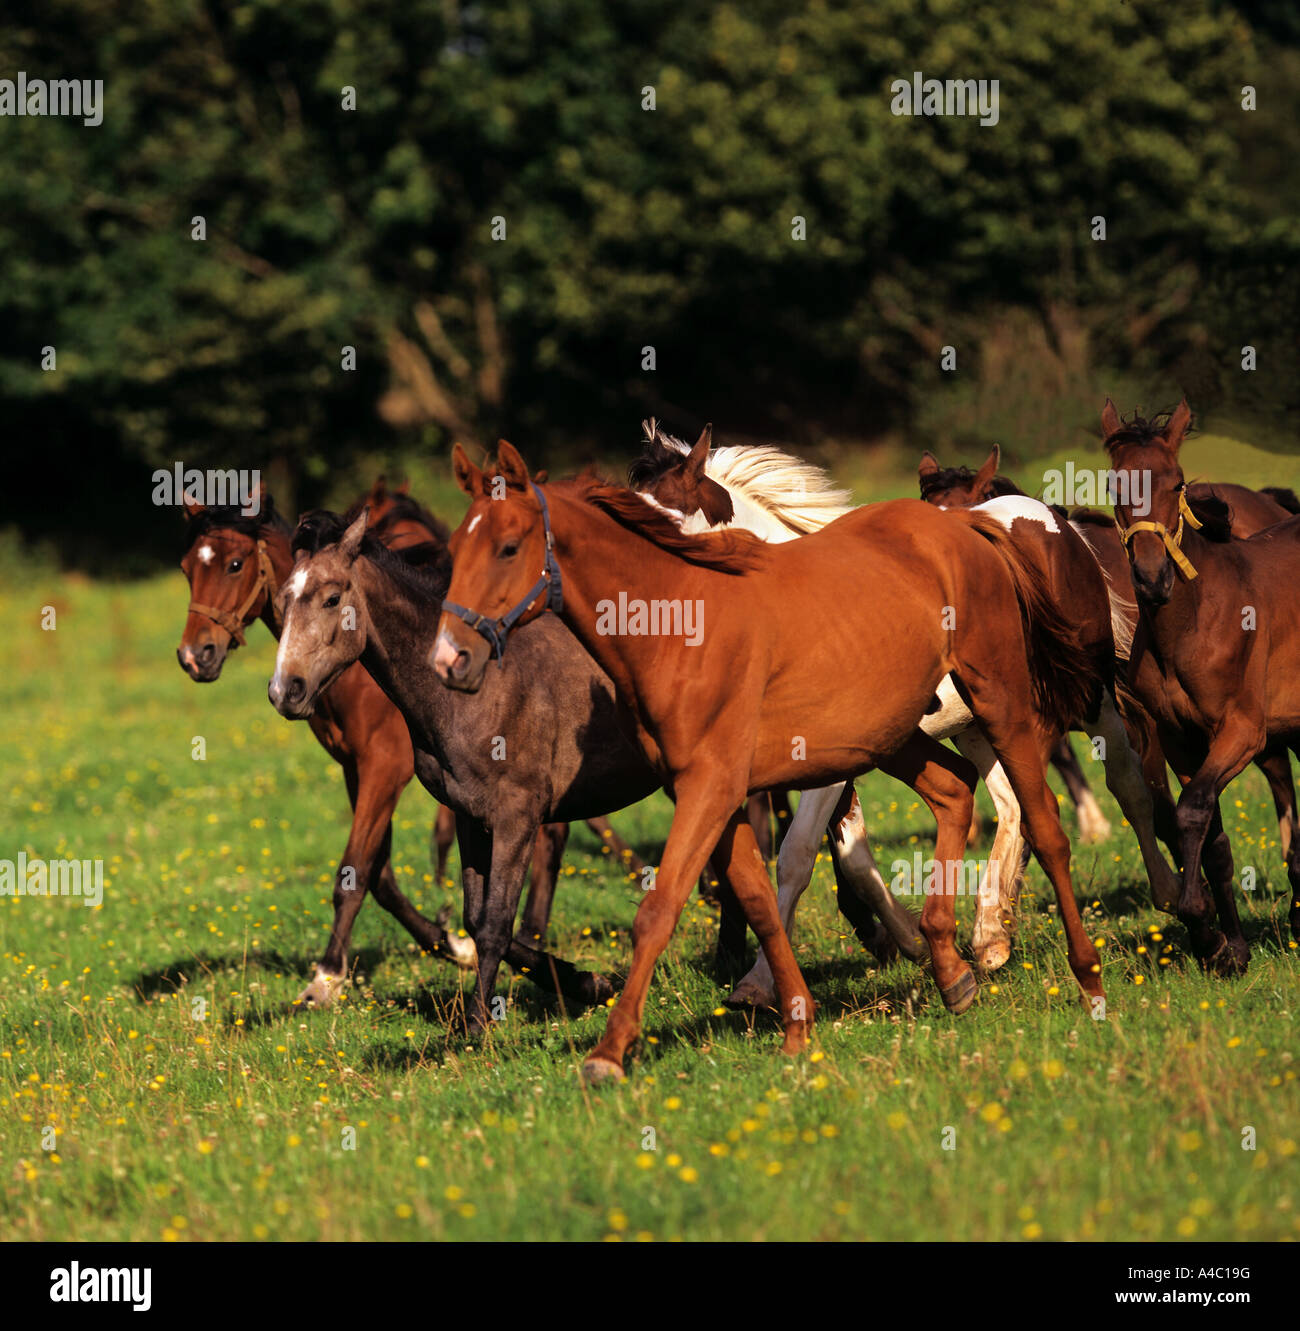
(235, 566)
(332, 602)
(509, 551)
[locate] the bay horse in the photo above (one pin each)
(1250, 511)
(780, 497)
(1215, 659)
(234, 564)
(784, 693)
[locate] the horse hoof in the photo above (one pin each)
(750, 994)
(1229, 960)
(322, 991)
(959, 995)
(993, 956)
(596, 1070)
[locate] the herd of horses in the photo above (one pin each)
(828, 640)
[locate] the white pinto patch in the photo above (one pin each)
(469, 531)
(1007, 508)
(205, 553)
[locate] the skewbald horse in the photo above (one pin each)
(793, 687)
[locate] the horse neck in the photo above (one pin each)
(277, 551)
(599, 559)
(399, 632)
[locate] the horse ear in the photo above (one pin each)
(192, 507)
(350, 544)
(379, 490)
(699, 455)
(539, 476)
(511, 465)
(405, 487)
(928, 466)
(1177, 426)
(468, 476)
(300, 556)
(1110, 421)
(984, 477)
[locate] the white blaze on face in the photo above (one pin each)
(478, 517)
(1007, 508)
(296, 584)
(205, 553)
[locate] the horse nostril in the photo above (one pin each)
(297, 687)
(207, 652)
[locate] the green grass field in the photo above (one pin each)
(236, 1126)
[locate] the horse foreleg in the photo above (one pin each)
(1132, 792)
(794, 870)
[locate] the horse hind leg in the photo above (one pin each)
(999, 889)
(997, 700)
(1125, 779)
(1275, 763)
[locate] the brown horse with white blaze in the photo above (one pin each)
(784, 692)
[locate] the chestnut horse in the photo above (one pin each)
(786, 691)
(1250, 511)
(235, 564)
(780, 497)
(1215, 659)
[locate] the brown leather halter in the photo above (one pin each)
(263, 584)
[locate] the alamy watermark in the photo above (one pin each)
(53, 97)
(635, 618)
(945, 97)
(1086, 486)
(932, 878)
(52, 878)
(211, 489)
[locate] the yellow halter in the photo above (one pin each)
(1172, 543)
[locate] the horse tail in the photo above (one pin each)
(1066, 677)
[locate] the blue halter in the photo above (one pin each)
(495, 630)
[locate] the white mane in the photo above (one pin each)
(776, 496)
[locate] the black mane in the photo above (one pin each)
(1137, 429)
(946, 477)
(423, 569)
(656, 459)
(229, 517)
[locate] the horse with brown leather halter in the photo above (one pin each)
(1215, 658)
(235, 565)
(779, 696)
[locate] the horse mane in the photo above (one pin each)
(761, 473)
(731, 551)
(424, 570)
(402, 508)
(1091, 517)
(1136, 429)
(946, 477)
(229, 517)
(1279, 494)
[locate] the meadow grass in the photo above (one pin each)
(375, 1119)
